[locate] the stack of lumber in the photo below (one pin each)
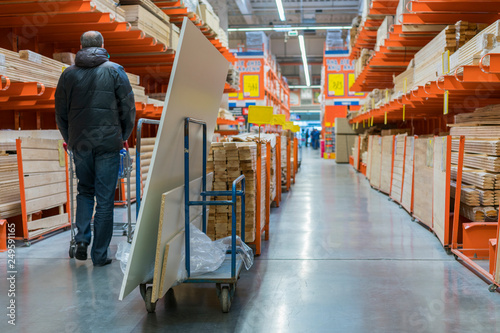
(44, 171)
(407, 195)
(362, 61)
(469, 196)
(478, 178)
(404, 78)
(428, 59)
(147, 147)
(471, 51)
(395, 131)
(284, 143)
(488, 115)
(369, 157)
(479, 214)
(479, 146)
(476, 132)
(397, 172)
(208, 17)
(383, 31)
(483, 162)
(110, 6)
(376, 161)
(10, 200)
(156, 25)
(28, 66)
(229, 160)
(386, 164)
(423, 173)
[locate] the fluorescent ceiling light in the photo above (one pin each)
(281, 11)
(304, 60)
(288, 28)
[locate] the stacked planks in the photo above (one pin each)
(386, 164)
(407, 195)
(10, 200)
(423, 173)
(483, 162)
(376, 161)
(156, 25)
(45, 185)
(284, 144)
(487, 115)
(397, 172)
(147, 147)
(228, 161)
(110, 6)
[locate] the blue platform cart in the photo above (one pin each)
(226, 277)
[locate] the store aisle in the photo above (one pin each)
(341, 258)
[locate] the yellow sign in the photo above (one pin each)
(372, 121)
(404, 111)
(279, 119)
(260, 115)
(296, 128)
(251, 86)
(385, 118)
(233, 95)
(357, 125)
(328, 124)
(445, 104)
(445, 58)
(336, 85)
(288, 125)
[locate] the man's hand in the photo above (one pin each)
(125, 144)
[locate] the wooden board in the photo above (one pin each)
(479, 178)
(424, 173)
(195, 90)
(46, 202)
(45, 190)
(386, 164)
(479, 146)
(172, 222)
(369, 157)
(356, 152)
(482, 162)
(44, 179)
(376, 162)
(440, 195)
(397, 172)
(48, 222)
(487, 132)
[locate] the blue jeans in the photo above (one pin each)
(97, 174)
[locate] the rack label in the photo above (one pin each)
(404, 111)
(446, 102)
(385, 118)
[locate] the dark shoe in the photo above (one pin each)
(81, 251)
(106, 262)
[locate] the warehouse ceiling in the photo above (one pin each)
(264, 13)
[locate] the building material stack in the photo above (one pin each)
(481, 171)
(228, 161)
(10, 200)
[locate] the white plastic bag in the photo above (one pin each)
(122, 254)
(243, 251)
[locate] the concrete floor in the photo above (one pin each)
(341, 258)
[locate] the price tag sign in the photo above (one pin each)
(260, 115)
(279, 119)
(288, 125)
(446, 101)
(385, 118)
(445, 57)
(251, 86)
(372, 121)
(404, 111)
(296, 128)
(357, 124)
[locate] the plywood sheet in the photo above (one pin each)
(440, 192)
(369, 159)
(397, 172)
(386, 164)
(424, 160)
(172, 222)
(407, 191)
(376, 162)
(195, 90)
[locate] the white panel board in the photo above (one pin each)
(195, 90)
(172, 222)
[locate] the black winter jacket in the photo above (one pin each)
(94, 102)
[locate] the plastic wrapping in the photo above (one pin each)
(122, 254)
(191, 5)
(207, 255)
(257, 41)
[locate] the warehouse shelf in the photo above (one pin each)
(413, 31)
(427, 101)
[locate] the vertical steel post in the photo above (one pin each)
(186, 196)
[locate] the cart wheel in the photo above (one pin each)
(456, 257)
(225, 300)
(72, 251)
(492, 287)
(448, 251)
(28, 244)
(413, 219)
(150, 307)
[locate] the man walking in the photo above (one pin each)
(95, 113)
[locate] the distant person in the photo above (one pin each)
(315, 138)
(95, 113)
(307, 138)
